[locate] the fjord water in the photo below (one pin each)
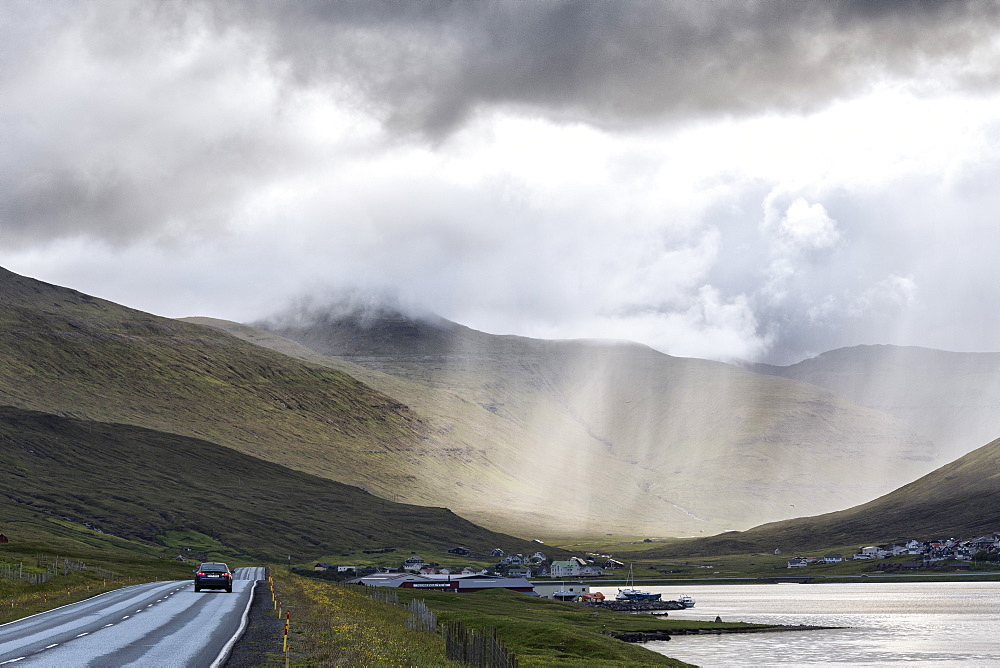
(885, 624)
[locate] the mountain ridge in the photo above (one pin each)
(950, 397)
(523, 435)
(565, 388)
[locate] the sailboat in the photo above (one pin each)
(630, 593)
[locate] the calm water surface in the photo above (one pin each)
(934, 624)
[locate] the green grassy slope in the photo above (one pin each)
(59, 474)
(960, 500)
(67, 353)
(616, 436)
(951, 398)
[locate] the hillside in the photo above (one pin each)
(70, 354)
(608, 436)
(951, 398)
(138, 484)
(960, 499)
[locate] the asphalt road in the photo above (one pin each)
(158, 624)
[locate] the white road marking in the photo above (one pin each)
(64, 653)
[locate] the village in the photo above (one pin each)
(536, 565)
(513, 570)
(949, 553)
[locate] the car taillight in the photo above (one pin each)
(226, 575)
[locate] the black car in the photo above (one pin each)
(213, 575)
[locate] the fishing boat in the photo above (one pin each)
(686, 601)
(630, 593)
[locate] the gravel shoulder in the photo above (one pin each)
(260, 644)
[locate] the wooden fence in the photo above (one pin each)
(384, 594)
(482, 649)
(421, 618)
(51, 566)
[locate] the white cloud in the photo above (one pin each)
(225, 167)
(893, 293)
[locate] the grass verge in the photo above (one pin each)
(339, 625)
(334, 623)
(68, 582)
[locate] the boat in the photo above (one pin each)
(630, 593)
(686, 601)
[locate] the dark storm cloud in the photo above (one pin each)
(125, 121)
(122, 120)
(428, 65)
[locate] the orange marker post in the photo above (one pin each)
(284, 648)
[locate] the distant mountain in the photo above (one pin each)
(958, 500)
(587, 436)
(523, 435)
(139, 484)
(951, 398)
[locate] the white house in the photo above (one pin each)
(414, 563)
(797, 562)
(565, 569)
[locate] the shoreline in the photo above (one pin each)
(664, 634)
(867, 578)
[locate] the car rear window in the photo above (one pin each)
(214, 567)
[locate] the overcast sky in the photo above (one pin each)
(730, 180)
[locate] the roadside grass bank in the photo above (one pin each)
(332, 623)
(543, 632)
